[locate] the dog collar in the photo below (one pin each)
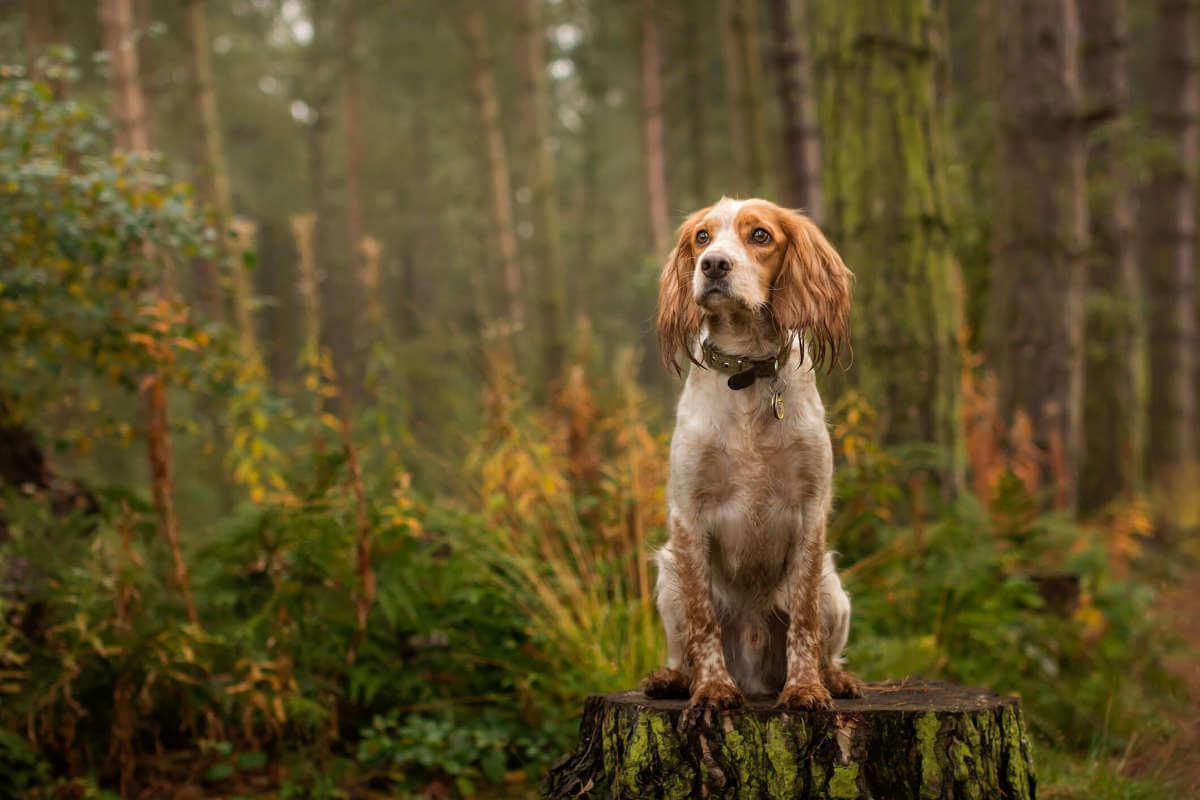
(743, 371)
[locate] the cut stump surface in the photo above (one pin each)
(900, 740)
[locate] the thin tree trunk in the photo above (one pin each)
(129, 103)
(653, 157)
(696, 106)
(885, 146)
(487, 103)
(43, 30)
(1115, 369)
(352, 117)
(218, 187)
(132, 133)
(158, 440)
(1036, 325)
(798, 104)
(303, 229)
(539, 159)
(372, 281)
(743, 69)
(1169, 230)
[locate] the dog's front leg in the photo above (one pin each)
(712, 687)
(802, 688)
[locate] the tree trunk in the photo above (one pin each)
(693, 59)
(353, 370)
(539, 160)
(1169, 230)
(218, 187)
(653, 157)
(888, 215)
(1115, 368)
(487, 103)
(917, 740)
(352, 119)
(304, 229)
(743, 69)
(798, 104)
(128, 102)
(133, 134)
(158, 439)
(372, 280)
(1036, 324)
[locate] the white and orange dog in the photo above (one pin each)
(756, 297)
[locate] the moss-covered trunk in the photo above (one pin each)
(1115, 352)
(1168, 228)
(887, 212)
(1040, 234)
(919, 740)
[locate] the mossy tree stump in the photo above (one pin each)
(900, 740)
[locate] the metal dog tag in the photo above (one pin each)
(777, 404)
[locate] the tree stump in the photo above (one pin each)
(900, 740)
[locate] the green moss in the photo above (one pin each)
(744, 747)
(844, 783)
(1020, 763)
(635, 761)
(783, 778)
(928, 727)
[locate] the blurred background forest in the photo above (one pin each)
(332, 433)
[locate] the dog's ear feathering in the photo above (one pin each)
(678, 318)
(812, 290)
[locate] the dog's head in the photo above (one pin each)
(752, 255)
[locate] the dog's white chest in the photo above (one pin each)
(748, 478)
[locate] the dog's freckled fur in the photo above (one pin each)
(747, 589)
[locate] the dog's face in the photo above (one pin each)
(753, 255)
(738, 248)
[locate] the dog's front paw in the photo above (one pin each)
(804, 697)
(667, 683)
(843, 684)
(709, 699)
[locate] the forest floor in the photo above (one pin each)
(1177, 759)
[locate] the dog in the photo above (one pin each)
(756, 298)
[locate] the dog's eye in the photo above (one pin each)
(760, 236)
(701, 237)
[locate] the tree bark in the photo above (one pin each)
(901, 740)
(697, 123)
(353, 371)
(539, 161)
(128, 101)
(888, 213)
(218, 187)
(798, 104)
(352, 123)
(744, 73)
(487, 103)
(1169, 230)
(158, 439)
(1040, 232)
(1115, 366)
(653, 151)
(133, 134)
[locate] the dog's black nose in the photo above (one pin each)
(714, 265)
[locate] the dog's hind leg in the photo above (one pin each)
(835, 630)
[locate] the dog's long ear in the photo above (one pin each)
(812, 290)
(678, 318)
